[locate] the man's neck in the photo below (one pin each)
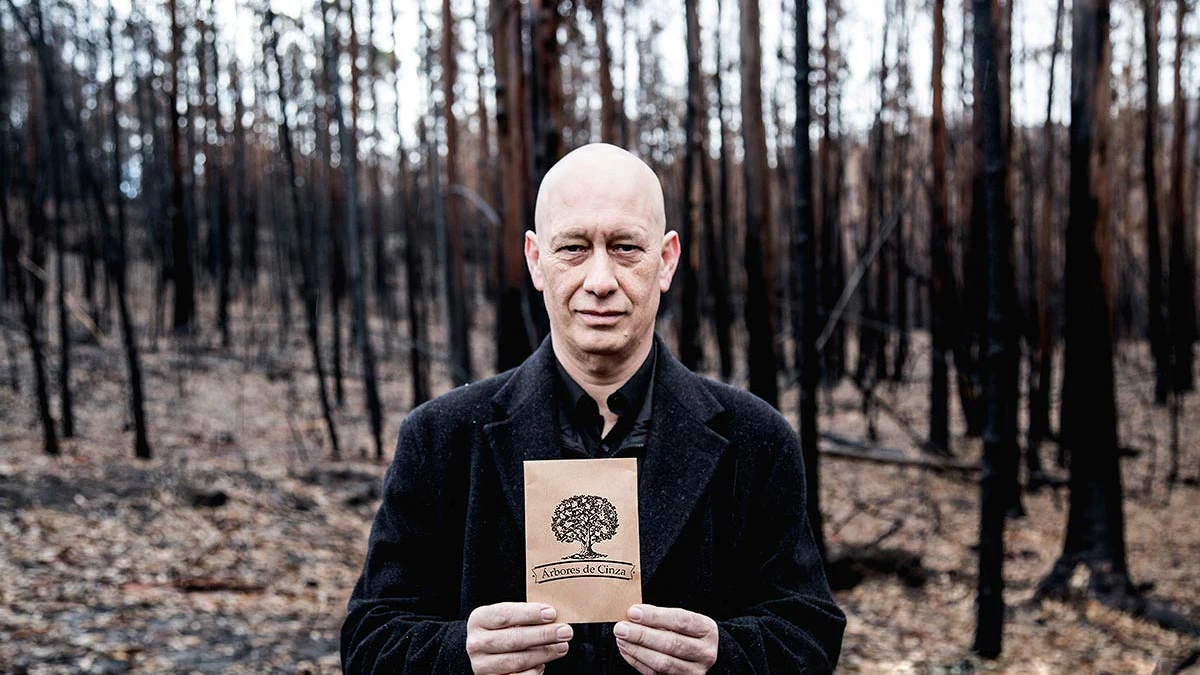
(601, 374)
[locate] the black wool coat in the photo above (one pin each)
(722, 524)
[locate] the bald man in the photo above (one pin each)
(731, 576)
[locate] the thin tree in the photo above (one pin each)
(450, 244)
(760, 234)
(412, 258)
(1043, 354)
(305, 236)
(719, 243)
(353, 237)
(1157, 329)
(515, 334)
(114, 255)
(1000, 366)
(690, 351)
(609, 108)
(940, 272)
(1181, 282)
(804, 262)
(183, 278)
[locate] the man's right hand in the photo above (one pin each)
(515, 637)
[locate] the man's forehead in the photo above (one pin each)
(599, 176)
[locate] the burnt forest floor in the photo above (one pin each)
(235, 548)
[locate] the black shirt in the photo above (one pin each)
(582, 427)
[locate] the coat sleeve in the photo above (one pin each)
(787, 621)
(402, 615)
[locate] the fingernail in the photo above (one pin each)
(564, 632)
(635, 613)
(561, 648)
(621, 630)
(548, 614)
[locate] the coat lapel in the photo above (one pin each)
(529, 430)
(681, 457)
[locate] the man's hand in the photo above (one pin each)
(667, 640)
(515, 637)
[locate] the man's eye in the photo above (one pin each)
(572, 248)
(627, 248)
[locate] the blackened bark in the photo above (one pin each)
(353, 239)
(1157, 329)
(690, 351)
(940, 270)
(1000, 365)
(719, 250)
(451, 244)
(515, 337)
(760, 235)
(114, 255)
(305, 240)
(804, 260)
(184, 311)
(1095, 523)
(1181, 277)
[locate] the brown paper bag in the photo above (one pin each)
(581, 537)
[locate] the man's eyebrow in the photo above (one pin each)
(567, 235)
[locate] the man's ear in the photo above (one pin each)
(532, 255)
(670, 260)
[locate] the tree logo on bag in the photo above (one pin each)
(586, 519)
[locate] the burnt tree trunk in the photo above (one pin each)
(1181, 277)
(1095, 533)
(1157, 329)
(804, 262)
(353, 240)
(719, 246)
(305, 240)
(457, 325)
(940, 271)
(690, 352)
(760, 234)
(1001, 361)
(183, 279)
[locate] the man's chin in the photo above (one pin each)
(601, 341)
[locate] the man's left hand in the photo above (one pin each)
(667, 640)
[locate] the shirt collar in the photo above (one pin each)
(627, 398)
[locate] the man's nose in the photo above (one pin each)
(600, 280)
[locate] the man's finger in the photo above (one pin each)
(504, 614)
(532, 671)
(667, 642)
(516, 662)
(672, 619)
(657, 661)
(632, 660)
(517, 638)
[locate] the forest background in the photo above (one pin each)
(954, 243)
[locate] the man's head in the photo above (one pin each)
(601, 255)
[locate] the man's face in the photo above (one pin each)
(601, 260)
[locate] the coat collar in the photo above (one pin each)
(680, 459)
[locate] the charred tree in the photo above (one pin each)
(450, 244)
(1000, 365)
(1157, 328)
(941, 274)
(115, 264)
(760, 233)
(515, 333)
(804, 264)
(183, 278)
(353, 237)
(1181, 289)
(1095, 534)
(690, 352)
(305, 238)
(719, 244)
